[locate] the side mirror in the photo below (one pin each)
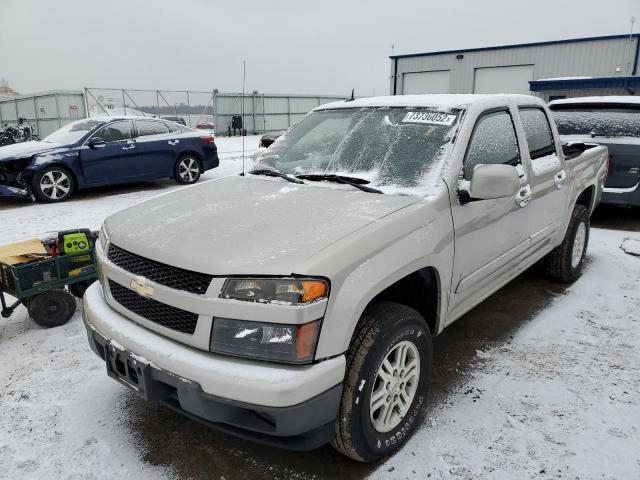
(494, 181)
(96, 142)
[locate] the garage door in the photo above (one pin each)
(426, 82)
(503, 79)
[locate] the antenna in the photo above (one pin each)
(244, 75)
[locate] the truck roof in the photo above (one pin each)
(438, 101)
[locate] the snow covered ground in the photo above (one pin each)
(559, 400)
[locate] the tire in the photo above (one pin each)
(53, 184)
(187, 170)
(565, 262)
(385, 330)
(52, 308)
(78, 289)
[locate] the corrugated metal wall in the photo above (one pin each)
(45, 112)
(598, 57)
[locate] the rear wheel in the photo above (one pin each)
(187, 170)
(52, 308)
(53, 184)
(565, 262)
(389, 365)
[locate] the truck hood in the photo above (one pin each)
(26, 149)
(246, 225)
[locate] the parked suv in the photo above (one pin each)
(295, 304)
(614, 122)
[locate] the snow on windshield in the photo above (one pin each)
(398, 150)
(73, 132)
(605, 121)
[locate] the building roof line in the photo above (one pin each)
(519, 45)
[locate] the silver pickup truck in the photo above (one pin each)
(295, 304)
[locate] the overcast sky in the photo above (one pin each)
(291, 46)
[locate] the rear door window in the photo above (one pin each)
(148, 128)
(538, 133)
(493, 141)
(115, 132)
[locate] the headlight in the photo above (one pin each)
(104, 237)
(266, 341)
(293, 291)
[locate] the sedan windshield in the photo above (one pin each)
(394, 149)
(601, 121)
(73, 132)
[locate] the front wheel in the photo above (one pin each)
(388, 371)
(53, 184)
(565, 262)
(187, 170)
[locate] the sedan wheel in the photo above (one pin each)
(188, 170)
(54, 184)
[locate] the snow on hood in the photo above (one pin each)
(246, 225)
(25, 149)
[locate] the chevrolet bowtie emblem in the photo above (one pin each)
(141, 288)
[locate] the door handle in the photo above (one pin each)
(173, 142)
(523, 196)
(560, 179)
(130, 145)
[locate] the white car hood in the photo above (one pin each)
(246, 225)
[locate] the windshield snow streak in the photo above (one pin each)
(375, 144)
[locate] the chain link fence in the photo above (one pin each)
(262, 112)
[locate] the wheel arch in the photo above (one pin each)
(36, 167)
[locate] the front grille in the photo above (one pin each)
(154, 311)
(172, 277)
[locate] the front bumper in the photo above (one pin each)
(7, 192)
(286, 406)
(622, 196)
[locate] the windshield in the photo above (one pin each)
(396, 148)
(605, 121)
(73, 132)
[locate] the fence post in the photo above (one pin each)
(189, 108)
(35, 112)
(289, 111)
(124, 104)
(86, 103)
(253, 110)
(214, 104)
(55, 95)
(158, 103)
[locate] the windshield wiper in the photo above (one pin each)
(274, 173)
(331, 177)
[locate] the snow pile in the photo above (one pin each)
(561, 400)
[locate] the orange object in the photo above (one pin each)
(313, 289)
(306, 339)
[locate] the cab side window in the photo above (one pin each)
(538, 133)
(115, 132)
(146, 128)
(493, 141)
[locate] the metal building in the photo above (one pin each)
(557, 69)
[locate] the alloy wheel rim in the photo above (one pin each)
(55, 184)
(395, 386)
(188, 169)
(578, 245)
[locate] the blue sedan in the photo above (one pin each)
(105, 151)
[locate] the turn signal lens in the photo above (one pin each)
(313, 290)
(306, 336)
